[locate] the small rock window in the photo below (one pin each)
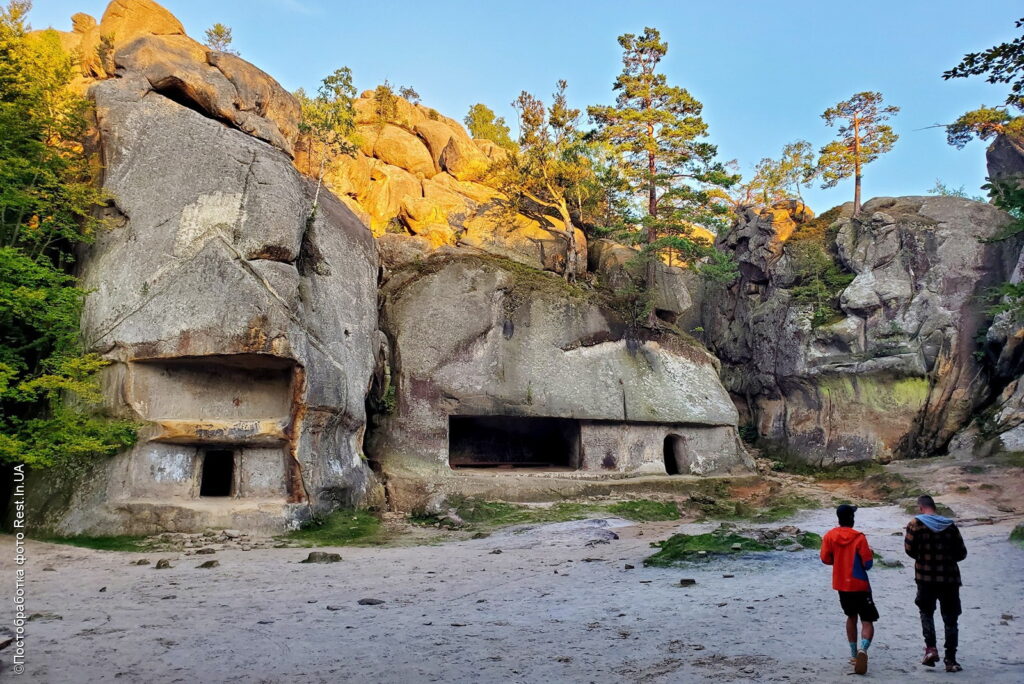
(218, 473)
(675, 455)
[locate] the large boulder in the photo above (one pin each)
(1005, 158)
(240, 332)
(676, 293)
(482, 349)
(140, 36)
(895, 370)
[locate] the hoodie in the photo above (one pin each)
(934, 521)
(847, 551)
(935, 544)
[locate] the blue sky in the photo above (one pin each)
(764, 70)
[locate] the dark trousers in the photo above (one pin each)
(948, 598)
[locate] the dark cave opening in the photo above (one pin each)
(513, 442)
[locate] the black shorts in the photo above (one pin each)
(858, 604)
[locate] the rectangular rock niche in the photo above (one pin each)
(513, 442)
(217, 477)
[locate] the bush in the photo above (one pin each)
(49, 390)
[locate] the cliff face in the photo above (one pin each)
(239, 332)
(895, 372)
(484, 356)
(242, 325)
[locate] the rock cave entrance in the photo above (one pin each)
(217, 477)
(513, 442)
(676, 460)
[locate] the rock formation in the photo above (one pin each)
(241, 332)
(418, 173)
(241, 322)
(895, 373)
(493, 365)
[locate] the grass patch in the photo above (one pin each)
(893, 486)
(680, 548)
(479, 513)
(1017, 536)
(783, 507)
(112, 543)
(340, 528)
(683, 547)
(784, 462)
(776, 508)
(645, 510)
(809, 540)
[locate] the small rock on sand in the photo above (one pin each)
(209, 564)
(687, 582)
(162, 564)
(370, 602)
(322, 557)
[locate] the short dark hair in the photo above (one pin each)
(925, 501)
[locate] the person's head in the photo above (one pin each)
(925, 504)
(845, 514)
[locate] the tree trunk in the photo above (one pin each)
(652, 230)
(856, 166)
(571, 257)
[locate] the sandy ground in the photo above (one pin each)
(557, 605)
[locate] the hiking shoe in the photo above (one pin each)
(953, 666)
(860, 663)
(931, 656)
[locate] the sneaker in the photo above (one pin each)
(860, 663)
(931, 656)
(953, 666)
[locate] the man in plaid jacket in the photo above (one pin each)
(935, 544)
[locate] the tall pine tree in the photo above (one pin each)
(659, 134)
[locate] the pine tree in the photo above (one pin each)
(862, 139)
(328, 120)
(658, 133)
(218, 37)
(550, 166)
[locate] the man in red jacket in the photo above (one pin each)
(847, 551)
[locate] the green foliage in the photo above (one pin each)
(862, 138)
(328, 118)
(112, 543)
(782, 179)
(820, 280)
(983, 123)
(479, 513)
(719, 267)
(385, 104)
(1010, 301)
(409, 93)
(48, 387)
(999, 64)
(549, 170)
(484, 124)
(809, 540)
(659, 138)
(748, 433)
(944, 190)
(218, 37)
(645, 510)
(1017, 535)
(340, 528)
(680, 548)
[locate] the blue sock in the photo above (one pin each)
(864, 643)
(853, 649)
